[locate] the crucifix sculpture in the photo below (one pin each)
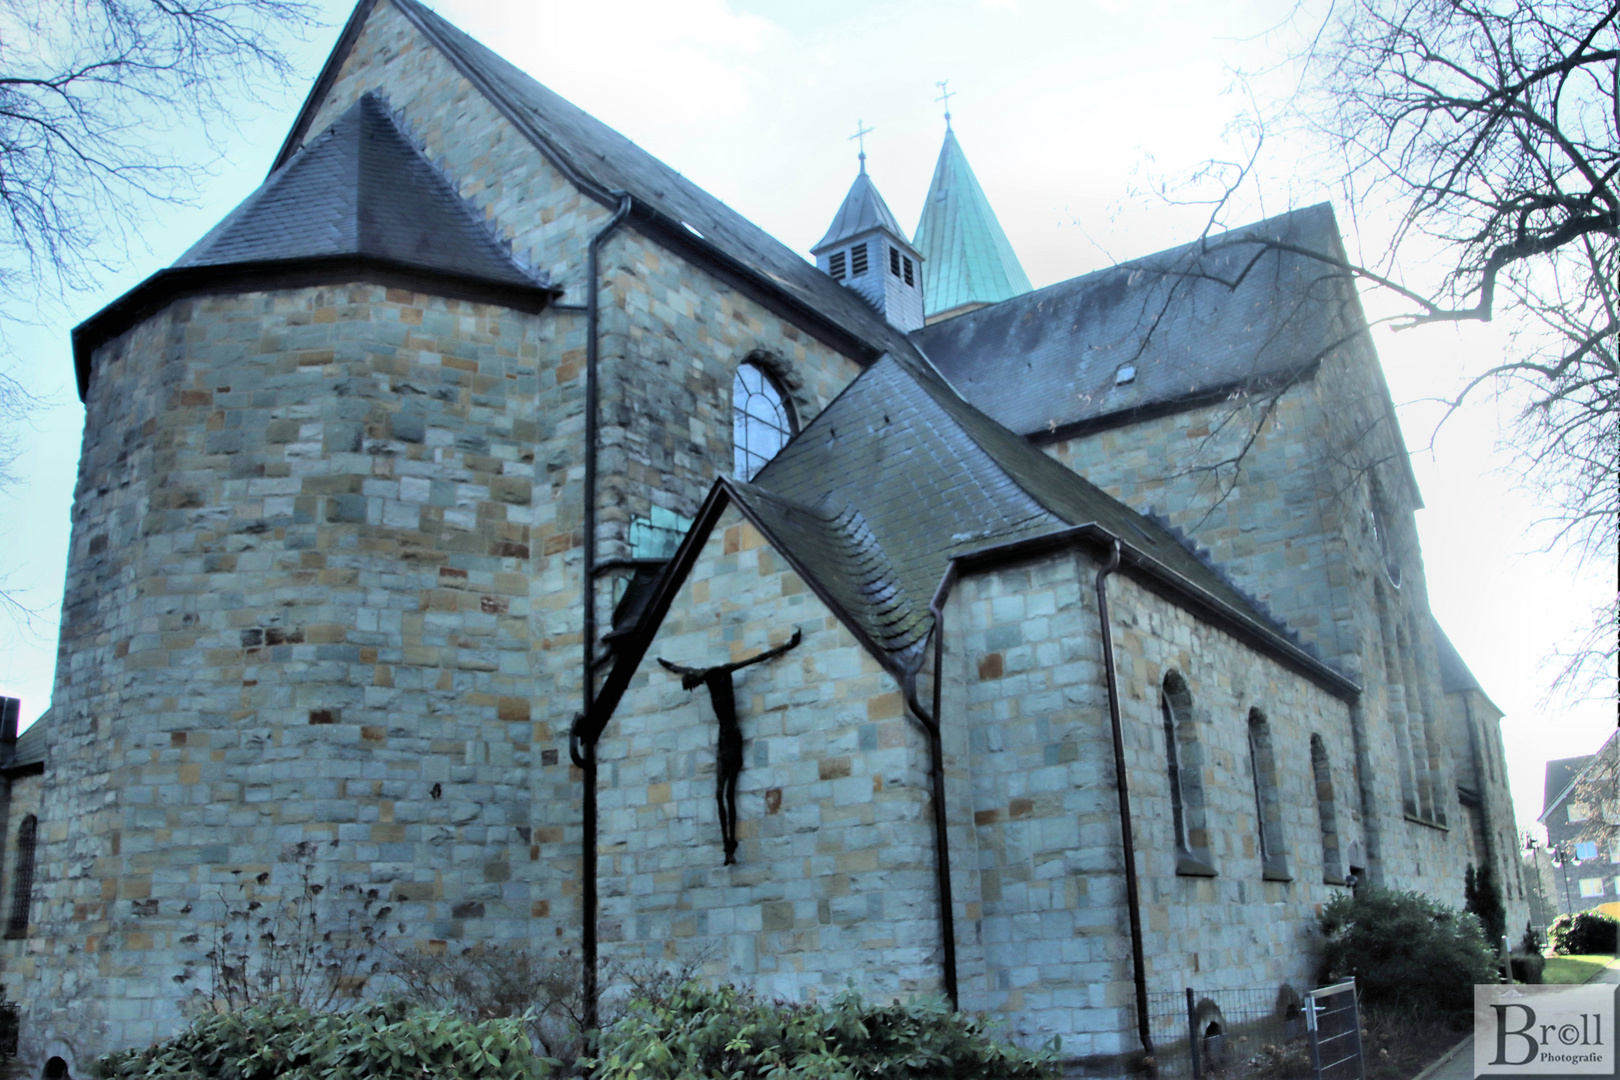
(729, 751)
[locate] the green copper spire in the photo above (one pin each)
(967, 260)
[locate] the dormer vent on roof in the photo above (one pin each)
(866, 250)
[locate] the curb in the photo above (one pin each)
(1445, 1059)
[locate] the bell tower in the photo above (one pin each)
(866, 249)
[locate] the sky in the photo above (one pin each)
(1071, 112)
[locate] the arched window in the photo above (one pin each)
(1332, 864)
(1267, 800)
(761, 420)
(22, 888)
(1182, 763)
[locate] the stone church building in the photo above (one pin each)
(1041, 648)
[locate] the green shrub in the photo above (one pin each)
(1584, 932)
(1484, 899)
(696, 1031)
(1406, 949)
(1528, 967)
(279, 1041)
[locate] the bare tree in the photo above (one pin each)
(1493, 130)
(107, 107)
(1488, 132)
(92, 95)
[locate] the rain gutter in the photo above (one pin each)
(583, 752)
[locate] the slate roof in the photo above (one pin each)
(1563, 774)
(1560, 775)
(1048, 359)
(605, 160)
(862, 210)
(1454, 673)
(967, 258)
(899, 475)
(358, 197)
(31, 744)
(360, 188)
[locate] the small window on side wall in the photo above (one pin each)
(22, 887)
(1267, 800)
(1326, 813)
(1183, 762)
(761, 420)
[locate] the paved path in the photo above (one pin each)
(1459, 1063)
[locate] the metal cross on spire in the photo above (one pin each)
(945, 95)
(861, 132)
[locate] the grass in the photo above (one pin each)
(1573, 969)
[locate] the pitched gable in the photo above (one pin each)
(603, 166)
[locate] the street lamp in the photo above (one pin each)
(1559, 855)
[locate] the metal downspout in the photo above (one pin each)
(1133, 898)
(929, 722)
(583, 753)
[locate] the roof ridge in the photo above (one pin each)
(377, 196)
(259, 193)
(483, 222)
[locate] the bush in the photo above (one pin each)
(1484, 899)
(496, 981)
(701, 1031)
(279, 1041)
(1406, 950)
(1583, 933)
(1527, 967)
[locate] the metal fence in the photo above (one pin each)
(1256, 1034)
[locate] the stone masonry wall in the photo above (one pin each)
(300, 607)
(529, 203)
(1473, 726)
(672, 335)
(834, 875)
(25, 792)
(1293, 525)
(671, 339)
(1024, 676)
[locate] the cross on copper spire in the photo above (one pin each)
(945, 95)
(861, 132)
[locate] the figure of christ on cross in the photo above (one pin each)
(729, 748)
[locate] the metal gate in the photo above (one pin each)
(1334, 1023)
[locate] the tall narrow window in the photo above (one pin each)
(894, 261)
(910, 277)
(1327, 815)
(1182, 759)
(837, 265)
(761, 420)
(22, 887)
(1267, 803)
(1172, 761)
